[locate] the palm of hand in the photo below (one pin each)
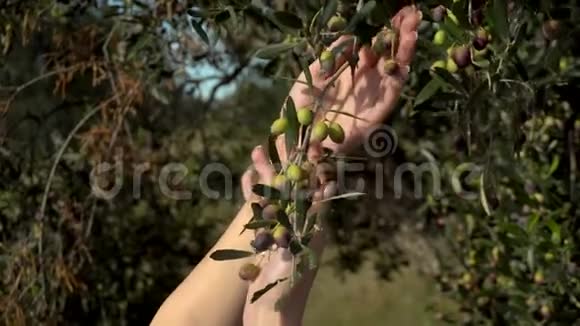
(370, 94)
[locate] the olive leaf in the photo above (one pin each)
(266, 191)
(295, 247)
(272, 51)
(257, 211)
(258, 294)
(222, 16)
(499, 18)
(455, 33)
(291, 135)
(199, 30)
(230, 254)
(273, 151)
(306, 69)
(343, 196)
(259, 224)
(282, 218)
(329, 11)
(428, 91)
(360, 16)
(288, 19)
(446, 77)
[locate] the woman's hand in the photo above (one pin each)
(371, 95)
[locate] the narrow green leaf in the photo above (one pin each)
(553, 166)
(460, 10)
(306, 69)
(257, 211)
(273, 152)
(515, 230)
(199, 30)
(428, 91)
(556, 231)
(343, 196)
(291, 135)
(482, 195)
(272, 51)
(500, 18)
(450, 80)
(533, 221)
(360, 16)
(222, 16)
(258, 294)
(260, 224)
(455, 33)
(230, 254)
(282, 218)
(329, 11)
(288, 19)
(295, 247)
(266, 191)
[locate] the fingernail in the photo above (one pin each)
(415, 35)
(420, 15)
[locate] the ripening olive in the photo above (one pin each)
(305, 116)
(294, 173)
(461, 56)
(336, 23)
(439, 37)
(451, 66)
(439, 13)
(551, 29)
(263, 241)
(335, 132)
(390, 67)
(279, 181)
(319, 131)
(539, 277)
(481, 39)
(270, 212)
(327, 61)
(438, 64)
(249, 272)
(279, 126)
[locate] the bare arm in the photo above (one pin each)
(212, 294)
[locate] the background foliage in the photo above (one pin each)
(147, 83)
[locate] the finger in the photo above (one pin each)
(249, 178)
(262, 165)
(315, 152)
(408, 37)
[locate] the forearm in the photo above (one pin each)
(212, 294)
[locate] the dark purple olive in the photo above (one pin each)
(263, 241)
(270, 212)
(551, 29)
(439, 13)
(461, 56)
(481, 40)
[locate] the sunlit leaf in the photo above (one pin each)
(344, 196)
(200, 31)
(230, 254)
